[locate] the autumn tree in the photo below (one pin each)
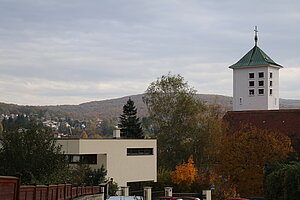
(184, 175)
(84, 135)
(90, 128)
(184, 126)
(129, 122)
(244, 154)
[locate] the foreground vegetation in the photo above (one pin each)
(29, 150)
(194, 150)
(203, 155)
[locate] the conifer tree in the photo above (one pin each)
(129, 122)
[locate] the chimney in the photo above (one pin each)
(116, 132)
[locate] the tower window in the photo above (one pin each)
(271, 74)
(261, 75)
(251, 75)
(261, 91)
(271, 92)
(251, 92)
(271, 83)
(260, 83)
(251, 83)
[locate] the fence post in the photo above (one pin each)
(206, 194)
(18, 175)
(147, 193)
(168, 191)
(102, 191)
(125, 191)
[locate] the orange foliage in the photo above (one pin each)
(84, 135)
(185, 174)
(244, 154)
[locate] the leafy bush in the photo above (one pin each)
(283, 182)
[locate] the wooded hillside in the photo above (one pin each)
(112, 108)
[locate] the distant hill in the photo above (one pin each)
(112, 108)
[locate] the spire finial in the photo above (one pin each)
(255, 38)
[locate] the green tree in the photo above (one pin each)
(282, 181)
(82, 174)
(113, 188)
(184, 125)
(31, 150)
(129, 122)
(107, 126)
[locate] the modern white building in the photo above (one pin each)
(255, 81)
(126, 160)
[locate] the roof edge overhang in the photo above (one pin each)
(256, 66)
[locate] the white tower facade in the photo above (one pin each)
(255, 81)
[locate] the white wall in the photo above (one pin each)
(273, 101)
(256, 102)
(112, 153)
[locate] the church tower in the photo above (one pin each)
(255, 81)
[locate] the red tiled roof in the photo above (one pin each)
(284, 121)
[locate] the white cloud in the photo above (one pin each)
(62, 52)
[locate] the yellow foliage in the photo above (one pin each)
(84, 135)
(97, 136)
(185, 174)
(244, 154)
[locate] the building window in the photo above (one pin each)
(271, 92)
(251, 92)
(261, 83)
(260, 91)
(241, 100)
(271, 83)
(251, 75)
(251, 83)
(86, 159)
(261, 75)
(139, 151)
(74, 159)
(271, 74)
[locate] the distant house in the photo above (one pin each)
(126, 160)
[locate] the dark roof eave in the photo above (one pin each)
(254, 66)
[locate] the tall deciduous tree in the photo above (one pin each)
(244, 154)
(129, 122)
(29, 148)
(184, 125)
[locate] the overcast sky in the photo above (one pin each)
(74, 51)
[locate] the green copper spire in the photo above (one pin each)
(255, 57)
